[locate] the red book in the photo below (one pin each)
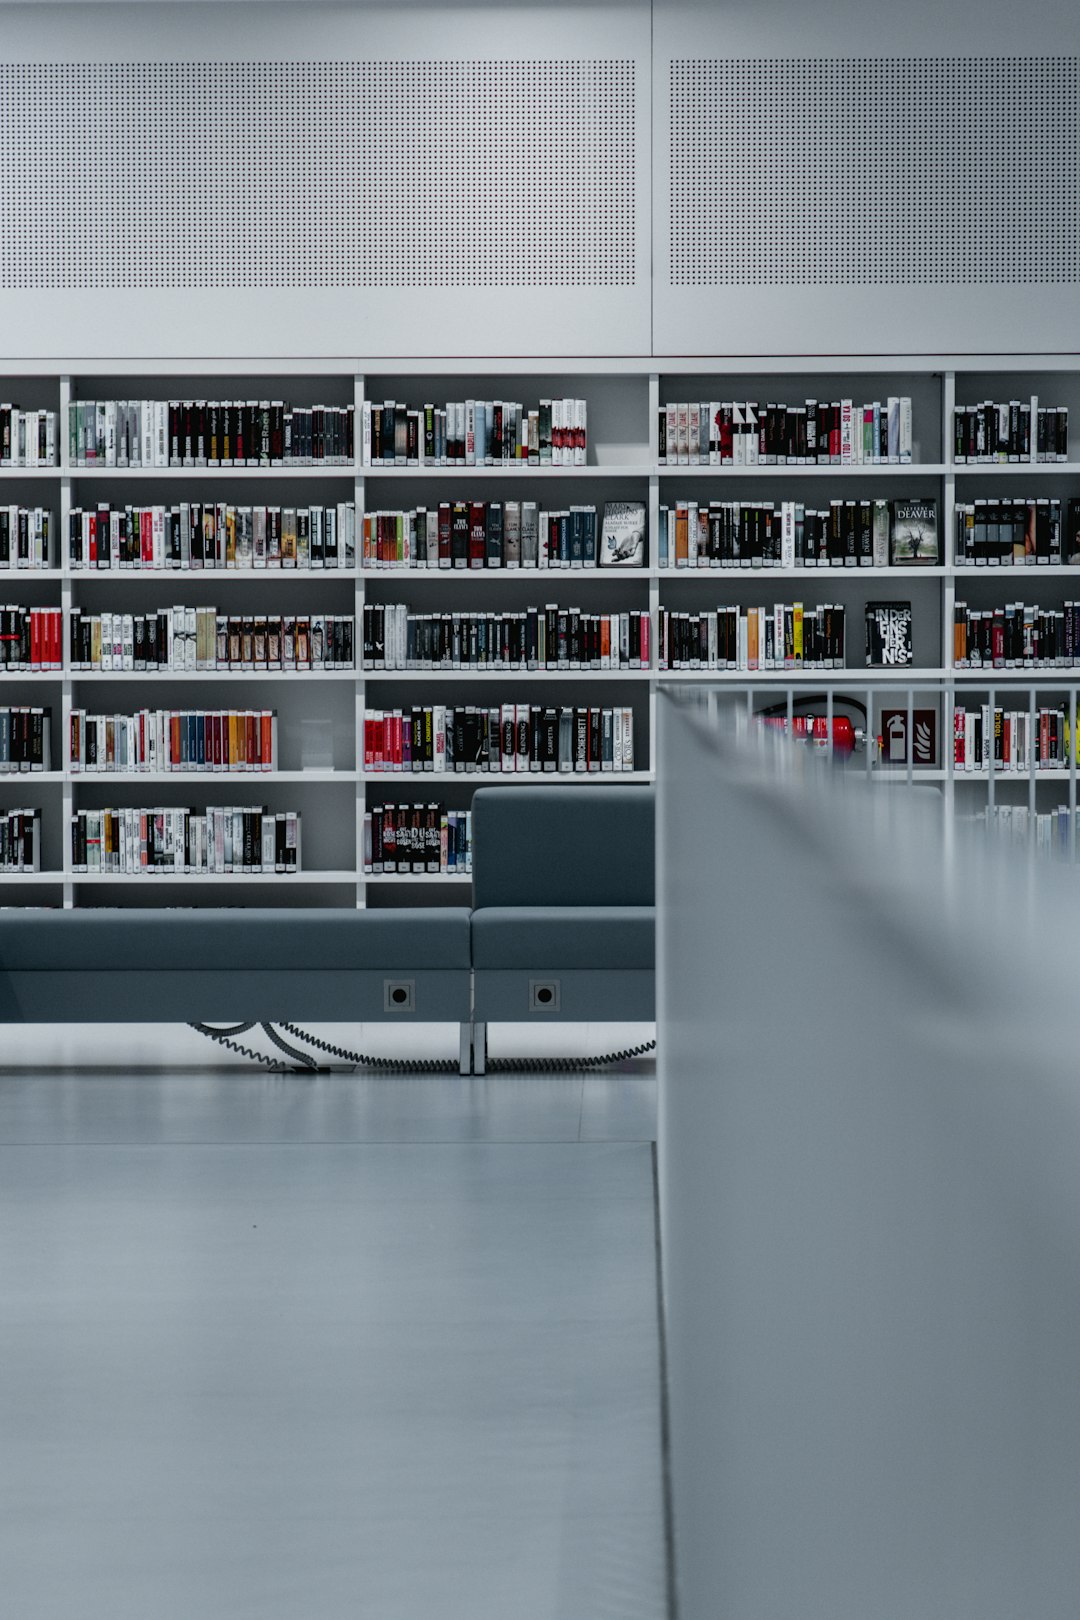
(477, 534)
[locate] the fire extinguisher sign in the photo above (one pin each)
(894, 736)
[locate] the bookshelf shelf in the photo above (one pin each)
(233, 780)
(202, 676)
(418, 877)
(215, 879)
(1013, 469)
(552, 577)
(505, 778)
(830, 571)
(506, 675)
(206, 577)
(515, 470)
(212, 474)
(622, 397)
(869, 469)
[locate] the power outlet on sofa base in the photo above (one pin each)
(543, 995)
(399, 995)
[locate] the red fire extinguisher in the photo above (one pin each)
(813, 727)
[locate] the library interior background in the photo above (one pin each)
(539, 683)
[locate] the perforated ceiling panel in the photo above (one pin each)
(904, 170)
(399, 174)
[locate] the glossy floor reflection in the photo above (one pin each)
(288, 1348)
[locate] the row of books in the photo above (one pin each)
(208, 433)
(425, 838)
(786, 636)
(223, 838)
(1014, 824)
(504, 737)
(24, 537)
(31, 638)
(1024, 530)
(25, 739)
(1000, 430)
(27, 438)
(1010, 739)
(549, 637)
(174, 740)
(212, 534)
(20, 840)
(1016, 636)
(788, 534)
(178, 639)
(475, 433)
(482, 534)
(715, 433)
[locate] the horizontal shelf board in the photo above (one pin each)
(215, 473)
(31, 472)
(20, 576)
(517, 469)
(30, 877)
(871, 469)
(237, 576)
(505, 575)
(220, 675)
(1054, 773)
(1017, 469)
(509, 778)
(854, 676)
(590, 675)
(416, 877)
(800, 571)
(967, 570)
(899, 773)
(224, 778)
(211, 877)
(26, 778)
(1027, 677)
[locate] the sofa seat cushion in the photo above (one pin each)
(220, 939)
(564, 937)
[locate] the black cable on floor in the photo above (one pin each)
(303, 1063)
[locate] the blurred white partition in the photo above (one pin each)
(869, 1148)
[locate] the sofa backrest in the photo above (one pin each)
(564, 846)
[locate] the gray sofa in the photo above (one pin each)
(562, 928)
(165, 966)
(564, 906)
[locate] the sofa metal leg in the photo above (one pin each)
(479, 1048)
(465, 1048)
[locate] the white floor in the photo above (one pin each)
(284, 1347)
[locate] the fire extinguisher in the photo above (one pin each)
(813, 726)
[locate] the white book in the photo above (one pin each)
(894, 428)
(671, 446)
(847, 437)
(738, 436)
(714, 433)
(110, 433)
(438, 733)
(682, 432)
(751, 432)
(905, 428)
(161, 433)
(628, 739)
(693, 431)
(580, 433)
(127, 634)
(787, 534)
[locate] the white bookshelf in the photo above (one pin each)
(623, 463)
